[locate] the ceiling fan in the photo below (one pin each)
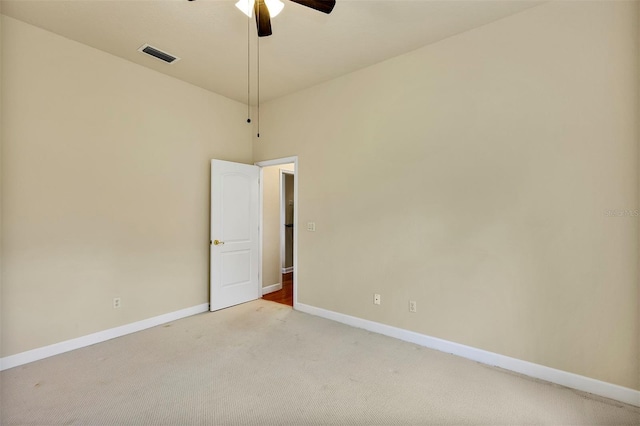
(263, 16)
(264, 9)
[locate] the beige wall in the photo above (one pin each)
(105, 174)
(638, 168)
(1, 136)
(503, 146)
(271, 268)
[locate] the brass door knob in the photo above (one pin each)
(217, 243)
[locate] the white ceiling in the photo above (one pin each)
(210, 36)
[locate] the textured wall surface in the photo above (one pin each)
(105, 174)
(477, 176)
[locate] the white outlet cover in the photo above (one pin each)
(311, 226)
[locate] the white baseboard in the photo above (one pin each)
(564, 378)
(101, 336)
(287, 270)
(271, 288)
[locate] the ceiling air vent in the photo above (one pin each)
(158, 54)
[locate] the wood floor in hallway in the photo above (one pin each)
(285, 295)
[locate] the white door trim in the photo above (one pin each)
(277, 162)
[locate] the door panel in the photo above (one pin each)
(234, 224)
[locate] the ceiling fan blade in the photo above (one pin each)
(263, 19)
(324, 6)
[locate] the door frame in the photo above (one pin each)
(278, 162)
(283, 216)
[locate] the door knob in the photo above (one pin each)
(217, 243)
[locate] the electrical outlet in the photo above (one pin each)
(117, 303)
(413, 307)
(311, 226)
(376, 299)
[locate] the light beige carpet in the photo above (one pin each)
(262, 363)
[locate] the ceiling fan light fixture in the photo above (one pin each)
(246, 7)
(274, 6)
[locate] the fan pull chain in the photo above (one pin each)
(258, 94)
(248, 70)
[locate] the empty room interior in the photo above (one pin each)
(448, 190)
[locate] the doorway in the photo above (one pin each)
(278, 230)
(287, 185)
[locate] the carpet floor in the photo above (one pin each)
(262, 363)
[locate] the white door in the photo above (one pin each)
(234, 234)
